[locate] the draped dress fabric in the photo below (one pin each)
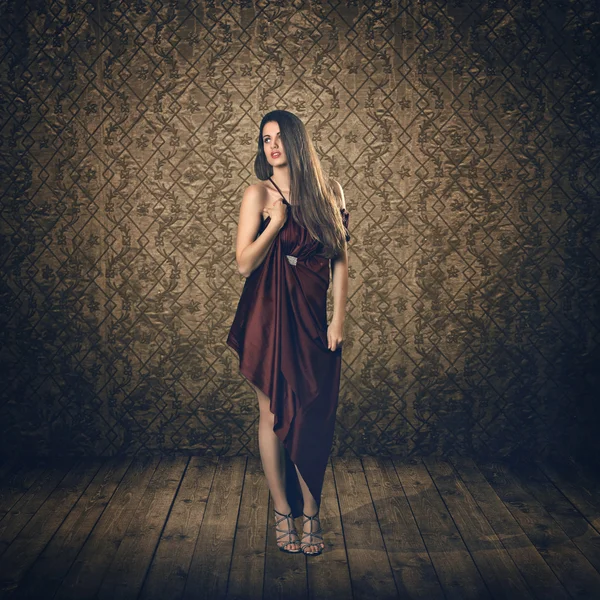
(280, 335)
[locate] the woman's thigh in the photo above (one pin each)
(264, 402)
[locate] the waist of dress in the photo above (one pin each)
(292, 259)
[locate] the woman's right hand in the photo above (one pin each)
(277, 212)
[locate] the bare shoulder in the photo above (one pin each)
(254, 198)
(339, 193)
(255, 191)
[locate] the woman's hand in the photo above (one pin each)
(334, 335)
(277, 212)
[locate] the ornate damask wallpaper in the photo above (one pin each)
(465, 135)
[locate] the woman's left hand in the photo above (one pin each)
(334, 335)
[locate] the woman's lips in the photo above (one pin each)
(275, 154)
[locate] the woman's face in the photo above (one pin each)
(273, 145)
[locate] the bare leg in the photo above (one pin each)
(310, 508)
(272, 454)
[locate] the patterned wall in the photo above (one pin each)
(465, 135)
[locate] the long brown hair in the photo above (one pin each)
(318, 211)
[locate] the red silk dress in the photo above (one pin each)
(280, 335)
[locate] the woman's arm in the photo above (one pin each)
(251, 252)
(340, 285)
(339, 266)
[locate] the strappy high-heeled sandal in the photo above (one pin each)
(289, 532)
(313, 534)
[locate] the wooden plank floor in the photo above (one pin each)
(202, 527)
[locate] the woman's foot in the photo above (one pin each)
(312, 538)
(286, 535)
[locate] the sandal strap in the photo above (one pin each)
(285, 532)
(312, 534)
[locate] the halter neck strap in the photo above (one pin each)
(278, 190)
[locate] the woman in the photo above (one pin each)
(287, 352)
